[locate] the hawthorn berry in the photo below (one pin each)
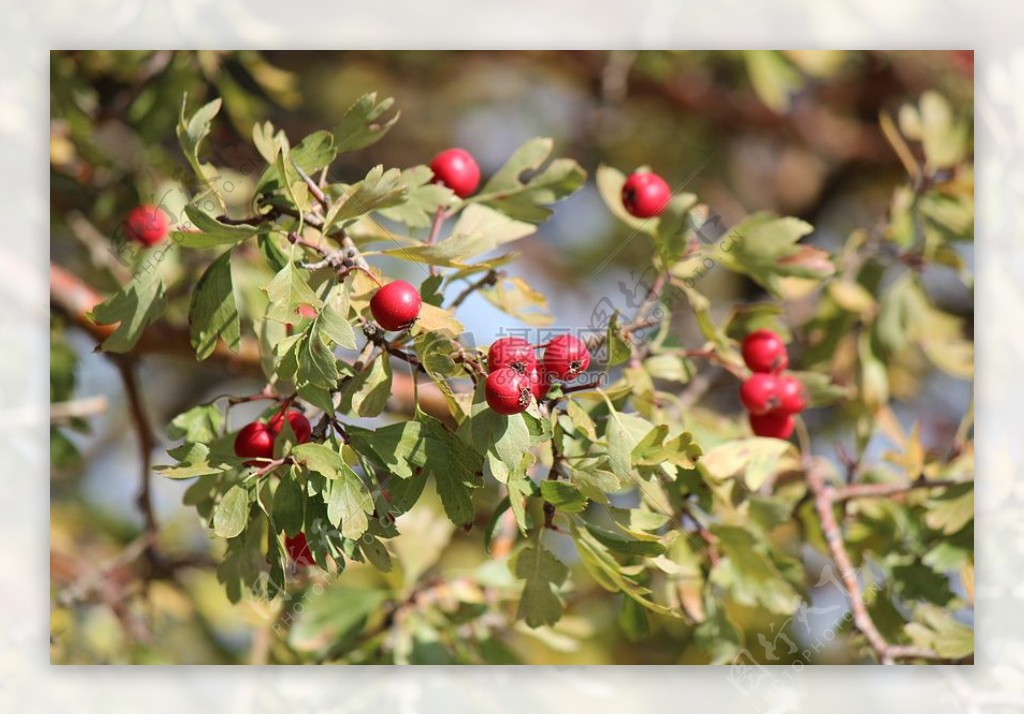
(299, 424)
(298, 549)
(396, 305)
(759, 393)
(792, 398)
(456, 169)
(537, 385)
(645, 194)
(508, 392)
(146, 224)
(515, 353)
(565, 357)
(774, 424)
(764, 351)
(255, 440)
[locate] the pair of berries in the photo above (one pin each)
(458, 170)
(514, 376)
(645, 194)
(770, 396)
(256, 439)
(146, 224)
(396, 305)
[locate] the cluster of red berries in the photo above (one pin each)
(770, 396)
(256, 439)
(514, 375)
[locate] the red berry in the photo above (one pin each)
(565, 357)
(537, 386)
(146, 224)
(515, 353)
(774, 424)
(396, 305)
(456, 169)
(645, 194)
(764, 351)
(306, 311)
(299, 424)
(760, 393)
(255, 440)
(792, 398)
(508, 392)
(298, 549)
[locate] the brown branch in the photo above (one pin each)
(824, 503)
(147, 443)
(74, 298)
(488, 279)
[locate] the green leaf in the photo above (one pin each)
(213, 314)
(367, 392)
(951, 510)
(653, 449)
(348, 503)
(400, 448)
(379, 190)
(563, 496)
(332, 321)
(621, 543)
(210, 233)
(507, 192)
(764, 248)
(423, 199)
(936, 629)
(749, 573)
(544, 574)
(289, 503)
(136, 306)
(320, 458)
(333, 619)
(201, 423)
(479, 230)
(758, 458)
(314, 152)
(287, 291)
(192, 131)
(362, 124)
(619, 349)
(232, 512)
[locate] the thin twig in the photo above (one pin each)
(147, 443)
(85, 407)
(824, 503)
(488, 279)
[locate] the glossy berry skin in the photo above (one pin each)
(764, 351)
(508, 392)
(565, 357)
(792, 398)
(645, 194)
(147, 225)
(759, 393)
(538, 386)
(396, 305)
(515, 353)
(299, 424)
(255, 440)
(298, 549)
(458, 170)
(774, 424)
